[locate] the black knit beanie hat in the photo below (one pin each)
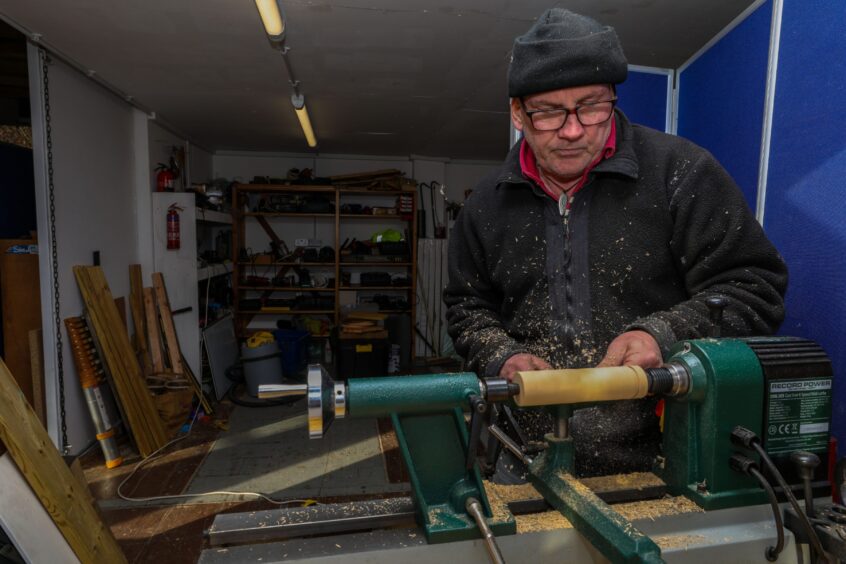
(563, 49)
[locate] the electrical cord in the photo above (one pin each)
(746, 465)
(772, 551)
(154, 456)
(745, 438)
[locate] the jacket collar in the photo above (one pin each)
(624, 161)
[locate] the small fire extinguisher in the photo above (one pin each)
(173, 226)
(164, 178)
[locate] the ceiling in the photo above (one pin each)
(380, 77)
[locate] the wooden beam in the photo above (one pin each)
(177, 361)
(153, 331)
(36, 361)
(50, 479)
(168, 328)
(140, 412)
(139, 319)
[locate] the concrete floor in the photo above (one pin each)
(242, 449)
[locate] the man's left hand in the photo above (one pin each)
(637, 348)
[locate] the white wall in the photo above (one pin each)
(200, 165)
(161, 144)
(93, 164)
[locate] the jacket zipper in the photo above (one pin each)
(564, 210)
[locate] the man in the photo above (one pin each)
(598, 241)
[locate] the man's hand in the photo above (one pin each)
(521, 362)
(637, 348)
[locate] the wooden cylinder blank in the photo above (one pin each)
(580, 385)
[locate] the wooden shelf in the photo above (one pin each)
(313, 264)
(212, 216)
(290, 312)
(355, 288)
(282, 188)
(270, 222)
(282, 289)
(288, 214)
(212, 270)
(371, 216)
(361, 192)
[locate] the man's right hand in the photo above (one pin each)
(521, 362)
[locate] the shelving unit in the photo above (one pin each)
(257, 226)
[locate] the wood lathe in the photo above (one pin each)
(746, 422)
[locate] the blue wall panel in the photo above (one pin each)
(643, 98)
(805, 211)
(721, 99)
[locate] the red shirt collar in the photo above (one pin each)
(529, 165)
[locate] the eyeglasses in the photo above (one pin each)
(591, 113)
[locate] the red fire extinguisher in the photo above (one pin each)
(173, 226)
(164, 178)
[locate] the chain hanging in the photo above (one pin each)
(45, 62)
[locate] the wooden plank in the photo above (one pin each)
(50, 479)
(198, 387)
(144, 400)
(174, 352)
(21, 304)
(36, 361)
(139, 319)
(375, 174)
(100, 322)
(120, 304)
(171, 340)
(153, 331)
(141, 414)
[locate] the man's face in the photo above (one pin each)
(563, 153)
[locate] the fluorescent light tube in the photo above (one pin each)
(302, 114)
(271, 16)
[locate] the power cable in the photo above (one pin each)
(154, 456)
(748, 439)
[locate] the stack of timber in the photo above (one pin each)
(364, 324)
(61, 494)
(128, 381)
(388, 179)
(178, 366)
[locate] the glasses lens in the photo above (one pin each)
(548, 120)
(592, 114)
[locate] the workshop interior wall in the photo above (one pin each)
(805, 211)
(92, 157)
(644, 96)
(721, 94)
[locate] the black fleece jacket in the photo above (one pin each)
(656, 229)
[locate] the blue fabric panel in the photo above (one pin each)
(643, 98)
(805, 212)
(721, 99)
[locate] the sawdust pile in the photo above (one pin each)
(615, 482)
(667, 542)
(508, 494)
(655, 508)
(546, 521)
(500, 495)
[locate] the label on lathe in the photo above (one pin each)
(798, 415)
